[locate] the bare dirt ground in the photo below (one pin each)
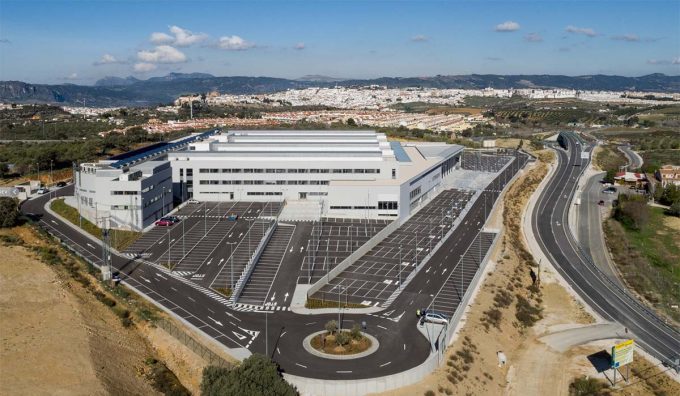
(58, 339)
(44, 337)
(533, 368)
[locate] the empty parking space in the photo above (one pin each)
(331, 241)
(373, 278)
(448, 298)
(481, 162)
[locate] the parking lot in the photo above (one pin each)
(332, 240)
(202, 235)
(451, 293)
(478, 161)
(373, 278)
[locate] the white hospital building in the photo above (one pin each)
(334, 173)
(350, 173)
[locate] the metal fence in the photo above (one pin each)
(201, 350)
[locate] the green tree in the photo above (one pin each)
(256, 375)
(331, 326)
(351, 122)
(9, 213)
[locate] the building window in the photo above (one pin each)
(414, 193)
(181, 172)
(394, 173)
(190, 172)
(388, 205)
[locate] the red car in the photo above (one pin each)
(164, 222)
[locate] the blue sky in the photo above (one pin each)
(82, 41)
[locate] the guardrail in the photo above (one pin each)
(250, 266)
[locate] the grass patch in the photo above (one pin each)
(225, 291)
(119, 239)
(609, 158)
(163, 380)
(315, 303)
(585, 386)
(648, 259)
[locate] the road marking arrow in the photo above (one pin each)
(145, 280)
(285, 297)
(219, 323)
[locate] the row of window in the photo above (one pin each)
(300, 170)
(264, 193)
(124, 192)
(414, 193)
(353, 207)
(266, 182)
(385, 205)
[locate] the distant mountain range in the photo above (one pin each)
(130, 91)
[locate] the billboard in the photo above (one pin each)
(622, 353)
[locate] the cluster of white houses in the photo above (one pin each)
(350, 173)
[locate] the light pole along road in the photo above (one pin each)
(550, 226)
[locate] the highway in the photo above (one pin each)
(550, 226)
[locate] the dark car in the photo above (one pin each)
(174, 219)
(601, 203)
(61, 184)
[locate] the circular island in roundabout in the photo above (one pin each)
(340, 344)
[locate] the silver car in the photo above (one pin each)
(433, 317)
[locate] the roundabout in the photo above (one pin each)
(324, 345)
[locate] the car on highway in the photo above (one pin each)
(174, 219)
(192, 201)
(61, 184)
(232, 217)
(434, 317)
(163, 222)
(43, 190)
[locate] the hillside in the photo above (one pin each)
(116, 91)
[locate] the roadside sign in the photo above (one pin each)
(622, 353)
(585, 155)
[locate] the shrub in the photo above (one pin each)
(502, 299)
(584, 386)
(493, 317)
(342, 338)
(254, 376)
(429, 393)
(527, 314)
(331, 326)
(632, 211)
(9, 212)
(356, 332)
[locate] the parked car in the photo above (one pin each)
(43, 190)
(174, 219)
(609, 190)
(434, 317)
(61, 184)
(164, 222)
(192, 201)
(232, 217)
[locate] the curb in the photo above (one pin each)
(307, 344)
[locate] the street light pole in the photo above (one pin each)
(399, 267)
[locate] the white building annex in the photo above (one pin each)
(349, 173)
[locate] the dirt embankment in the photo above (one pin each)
(57, 337)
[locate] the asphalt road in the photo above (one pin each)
(550, 225)
(634, 159)
(280, 333)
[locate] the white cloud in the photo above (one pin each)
(299, 46)
(626, 37)
(579, 30)
(533, 38)
(659, 62)
(234, 43)
(185, 38)
(507, 26)
(159, 38)
(72, 76)
(180, 37)
(107, 59)
(162, 54)
(143, 67)
(419, 38)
